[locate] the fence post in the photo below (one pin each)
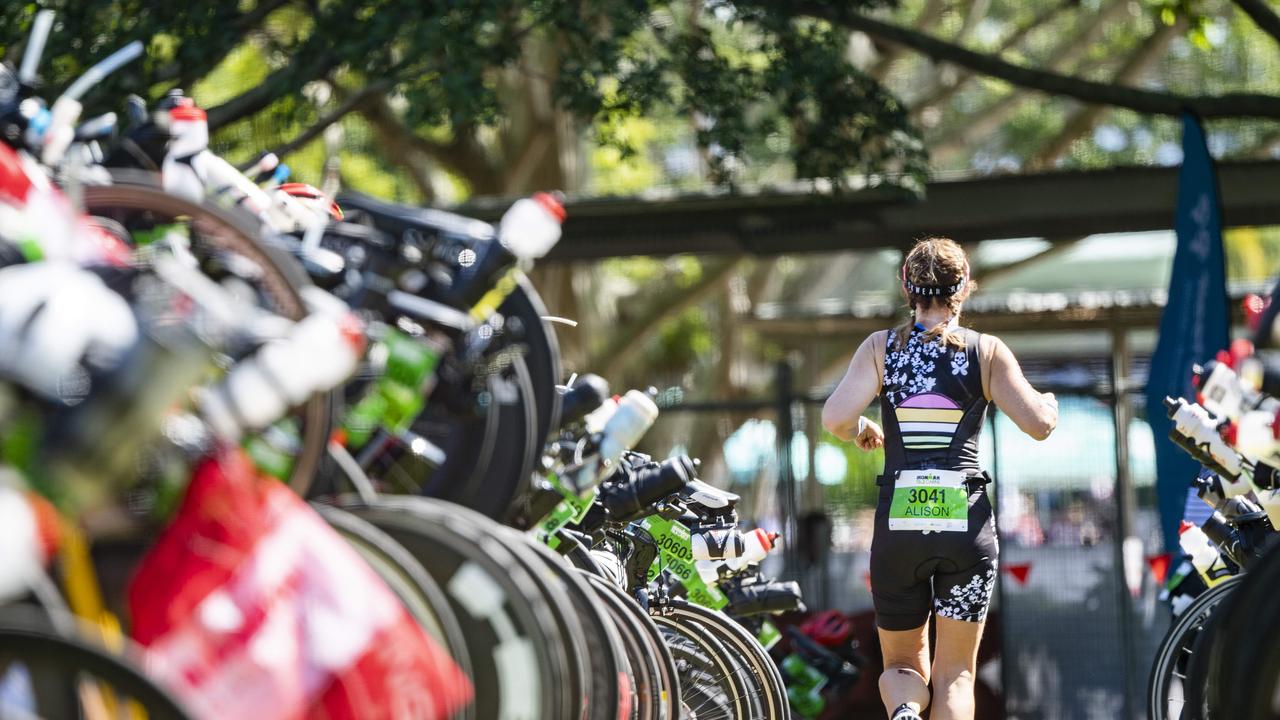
(1124, 504)
(786, 474)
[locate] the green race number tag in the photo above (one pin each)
(930, 500)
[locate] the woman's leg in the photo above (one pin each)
(954, 667)
(906, 668)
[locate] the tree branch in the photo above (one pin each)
(930, 14)
(275, 86)
(1232, 105)
(463, 155)
(1084, 119)
(947, 91)
(625, 342)
(212, 54)
(1262, 15)
(348, 105)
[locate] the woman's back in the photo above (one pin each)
(932, 402)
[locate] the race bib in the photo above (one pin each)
(930, 500)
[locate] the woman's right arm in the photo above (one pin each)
(1036, 414)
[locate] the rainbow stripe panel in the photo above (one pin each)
(928, 421)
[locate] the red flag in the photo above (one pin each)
(1159, 565)
(1019, 572)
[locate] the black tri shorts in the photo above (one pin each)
(952, 573)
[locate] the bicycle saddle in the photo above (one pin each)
(400, 219)
(701, 495)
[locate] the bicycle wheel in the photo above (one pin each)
(523, 314)
(416, 589)
(657, 682)
(761, 687)
(610, 688)
(1166, 687)
(44, 674)
(709, 684)
(232, 244)
(521, 667)
(489, 453)
(1246, 671)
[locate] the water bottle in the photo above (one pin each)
(636, 413)
(1204, 556)
(28, 534)
(717, 544)
(1197, 432)
(732, 545)
(531, 227)
(320, 352)
(183, 170)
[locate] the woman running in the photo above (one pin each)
(934, 548)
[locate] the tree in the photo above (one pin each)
(495, 91)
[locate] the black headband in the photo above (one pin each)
(934, 290)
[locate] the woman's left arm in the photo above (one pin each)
(855, 392)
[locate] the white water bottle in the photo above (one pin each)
(321, 351)
(729, 544)
(26, 542)
(531, 227)
(636, 413)
(1204, 556)
(183, 171)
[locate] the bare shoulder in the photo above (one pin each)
(989, 346)
(879, 338)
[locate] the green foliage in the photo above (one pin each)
(737, 72)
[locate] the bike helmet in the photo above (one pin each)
(313, 198)
(829, 628)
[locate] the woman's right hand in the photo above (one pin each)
(870, 435)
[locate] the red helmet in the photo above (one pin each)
(829, 628)
(313, 198)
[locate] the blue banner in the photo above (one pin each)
(1196, 320)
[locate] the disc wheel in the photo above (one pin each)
(1246, 667)
(657, 681)
(521, 667)
(488, 453)
(610, 682)
(527, 329)
(420, 594)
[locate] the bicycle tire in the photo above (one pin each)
(658, 692)
(541, 351)
(281, 279)
(520, 664)
(1176, 650)
(57, 663)
(762, 682)
(1247, 667)
(420, 594)
(488, 459)
(608, 683)
(709, 688)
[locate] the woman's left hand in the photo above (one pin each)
(870, 435)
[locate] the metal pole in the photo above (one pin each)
(786, 475)
(1124, 507)
(1005, 670)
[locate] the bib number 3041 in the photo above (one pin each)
(934, 500)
